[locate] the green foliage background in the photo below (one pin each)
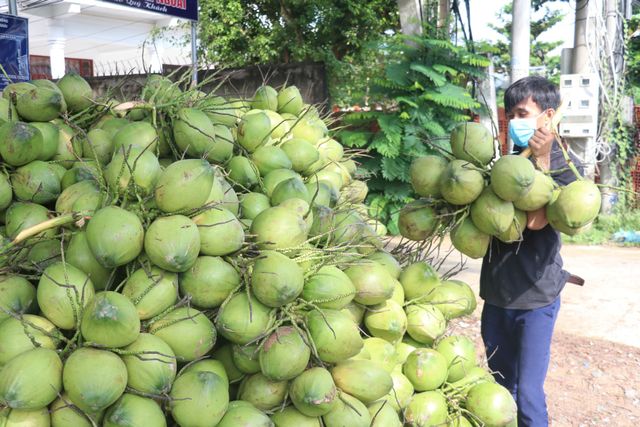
(425, 91)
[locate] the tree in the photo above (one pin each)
(236, 33)
(540, 51)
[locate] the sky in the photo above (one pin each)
(484, 12)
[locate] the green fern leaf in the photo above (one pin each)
(437, 78)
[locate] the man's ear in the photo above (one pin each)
(548, 117)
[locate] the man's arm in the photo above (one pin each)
(540, 144)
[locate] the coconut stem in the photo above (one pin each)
(43, 226)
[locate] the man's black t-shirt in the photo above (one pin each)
(528, 274)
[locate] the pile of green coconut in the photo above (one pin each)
(187, 260)
(468, 192)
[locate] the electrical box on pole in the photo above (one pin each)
(580, 94)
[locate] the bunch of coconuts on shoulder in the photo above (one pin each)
(467, 192)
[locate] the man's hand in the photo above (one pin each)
(540, 144)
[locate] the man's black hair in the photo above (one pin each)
(542, 92)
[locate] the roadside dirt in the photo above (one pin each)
(594, 374)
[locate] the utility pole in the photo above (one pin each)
(410, 17)
(443, 13)
(580, 55)
(520, 39)
(13, 7)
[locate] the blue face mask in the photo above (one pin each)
(521, 130)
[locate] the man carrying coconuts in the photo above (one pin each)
(521, 282)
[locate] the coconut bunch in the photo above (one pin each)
(184, 259)
(467, 192)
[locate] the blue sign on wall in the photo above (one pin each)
(14, 49)
(187, 9)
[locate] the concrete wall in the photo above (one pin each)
(310, 78)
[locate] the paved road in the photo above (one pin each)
(608, 306)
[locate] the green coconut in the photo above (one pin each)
(269, 158)
(36, 182)
(133, 171)
(98, 145)
(21, 216)
(208, 365)
(329, 287)
(115, 236)
(242, 321)
(41, 105)
(8, 111)
(470, 241)
(151, 365)
(491, 214)
(16, 88)
(21, 143)
(302, 153)
(230, 200)
(20, 335)
(373, 283)
(355, 312)
(254, 131)
(82, 170)
(454, 298)
(243, 171)
(275, 177)
(279, 228)
(472, 142)
(577, 205)
(356, 192)
(64, 413)
(426, 369)
(91, 389)
(276, 279)
(265, 98)
(184, 185)
(347, 411)
(461, 183)
(402, 391)
(383, 415)
(245, 358)
(209, 282)
(386, 320)
(27, 418)
(284, 354)
(539, 194)
(425, 323)
(334, 334)
(199, 399)
(515, 230)
(32, 380)
(151, 290)
(381, 352)
(512, 177)
(112, 125)
(425, 175)
(388, 261)
(251, 204)
(189, 333)
(50, 136)
(224, 355)
(110, 320)
(69, 148)
(77, 92)
(365, 380)
(419, 280)
(262, 392)
(428, 408)
(79, 255)
(17, 296)
(291, 417)
(133, 410)
(417, 220)
(242, 413)
(313, 392)
(172, 243)
(6, 192)
(292, 188)
(219, 111)
(195, 134)
(220, 232)
(460, 354)
(491, 404)
(62, 292)
(289, 100)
